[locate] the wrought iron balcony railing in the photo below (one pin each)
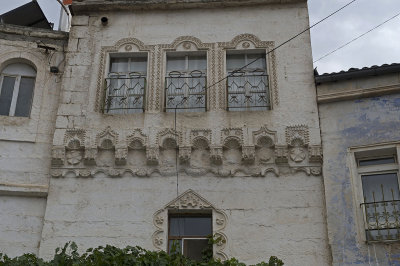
(125, 94)
(248, 91)
(186, 92)
(382, 219)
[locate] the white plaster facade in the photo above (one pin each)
(113, 177)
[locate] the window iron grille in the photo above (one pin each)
(248, 91)
(382, 218)
(125, 93)
(186, 92)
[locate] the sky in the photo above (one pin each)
(382, 46)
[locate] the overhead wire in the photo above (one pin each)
(358, 37)
(282, 44)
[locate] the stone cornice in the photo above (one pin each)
(359, 93)
(27, 190)
(33, 32)
(86, 6)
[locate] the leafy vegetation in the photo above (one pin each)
(113, 256)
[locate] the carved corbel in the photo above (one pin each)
(184, 154)
(248, 154)
(281, 154)
(315, 154)
(58, 156)
(216, 154)
(121, 154)
(152, 154)
(90, 156)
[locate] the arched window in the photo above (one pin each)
(17, 82)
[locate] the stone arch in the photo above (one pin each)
(190, 201)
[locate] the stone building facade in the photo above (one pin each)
(141, 127)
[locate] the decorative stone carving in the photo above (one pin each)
(197, 134)
(297, 154)
(281, 154)
(232, 133)
(137, 140)
(248, 154)
(264, 132)
(316, 171)
(184, 154)
(297, 133)
(127, 44)
(152, 154)
(107, 139)
(216, 154)
(264, 149)
(90, 156)
(315, 154)
(57, 156)
(121, 155)
(170, 134)
(74, 156)
(247, 41)
(190, 201)
(74, 138)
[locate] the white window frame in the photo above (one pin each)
(14, 98)
(247, 70)
(108, 74)
(186, 73)
(375, 151)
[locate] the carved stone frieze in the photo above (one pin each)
(200, 134)
(74, 138)
(58, 156)
(107, 139)
(137, 140)
(232, 133)
(121, 155)
(295, 133)
(216, 154)
(152, 155)
(315, 154)
(264, 132)
(169, 134)
(248, 154)
(281, 154)
(190, 201)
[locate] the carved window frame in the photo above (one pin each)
(192, 202)
(247, 42)
(124, 46)
(182, 44)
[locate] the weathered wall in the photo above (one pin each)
(283, 216)
(352, 123)
(21, 224)
(25, 142)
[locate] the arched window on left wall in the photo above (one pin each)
(17, 82)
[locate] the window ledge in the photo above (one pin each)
(27, 190)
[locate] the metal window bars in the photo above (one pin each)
(247, 90)
(382, 218)
(186, 92)
(125, 93)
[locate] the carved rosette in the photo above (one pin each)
(190, 201)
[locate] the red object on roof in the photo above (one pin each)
(67, 2)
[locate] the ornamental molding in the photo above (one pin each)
(239, 151)
(251, 41)
(123, 45)
(190, 201)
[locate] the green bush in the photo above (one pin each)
(113, 256)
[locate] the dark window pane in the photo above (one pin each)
(376, 161)
(7, 90)
(190, 226)
(193, 248)
(379, 187)
(24, 100)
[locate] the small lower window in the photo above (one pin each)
(189, 234)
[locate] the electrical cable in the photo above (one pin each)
(282, 44)
(358, 37)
